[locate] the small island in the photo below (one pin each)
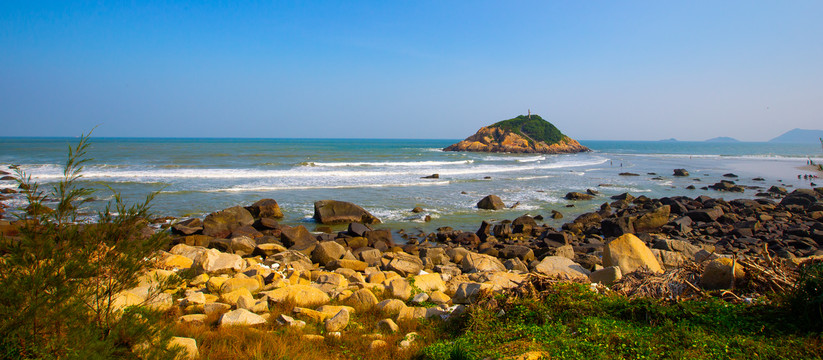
(723, 139)
(522, 134)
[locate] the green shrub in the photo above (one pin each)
(806, 300)
(60, 278)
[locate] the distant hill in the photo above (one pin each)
(724, 139)
(799, 136)
(522, 134)
(668, 140)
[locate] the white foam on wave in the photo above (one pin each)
(531, 159)
(534, 177)
(255, 188)
(416, 169)
(771, 157)
(391, 163)
(516, 168)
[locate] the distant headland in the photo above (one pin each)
(522, 134)
(799, 136)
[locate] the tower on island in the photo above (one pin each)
(530, 113)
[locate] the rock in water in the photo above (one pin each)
(340, 212)
(491, 202)
(523, 134)
(265, 208)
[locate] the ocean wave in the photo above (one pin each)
(256, 188)
(726, 157)
(532, 159)
(534, 177)
(388, 163)
(411, 169)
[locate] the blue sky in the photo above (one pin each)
(617, 70)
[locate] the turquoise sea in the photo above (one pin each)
(198, 176)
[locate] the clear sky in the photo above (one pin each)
(616, 70)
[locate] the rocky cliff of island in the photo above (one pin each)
(523, 134)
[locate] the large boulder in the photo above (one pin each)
(652, 219)
(340, 212)
(705, 215)
(338, 322)
(265, 208)
(220, 224)
(562, 267)
(467, 292)
(230, 285)
(578, 196)
(213, 261)
(241, 317)
(187, 227)
(517, 251)
(299, 295)
(405, 264)
(607, 276)
(802, 197)
(188, 347)
(474, 262)
(491, 202)
(296, 236)
(361, 300)
(629, 253)
(241, 245)
(429, 282)
(718, 274)
(326, 252)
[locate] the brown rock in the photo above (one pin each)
(491, 202)
(265, 208)
(220, 224)
(718, 274)
(339, 212)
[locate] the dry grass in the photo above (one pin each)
(273, 341)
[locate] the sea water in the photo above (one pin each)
(197, 176)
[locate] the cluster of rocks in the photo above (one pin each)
(247, 263)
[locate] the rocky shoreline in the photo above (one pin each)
(247, 262)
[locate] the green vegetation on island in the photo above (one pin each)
(532, 127)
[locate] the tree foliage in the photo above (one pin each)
(62, 281)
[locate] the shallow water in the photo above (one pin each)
(198, 176)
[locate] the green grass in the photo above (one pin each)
(535, 128)
(573, 322)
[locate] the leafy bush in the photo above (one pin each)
(806, 300)
(61, 281)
